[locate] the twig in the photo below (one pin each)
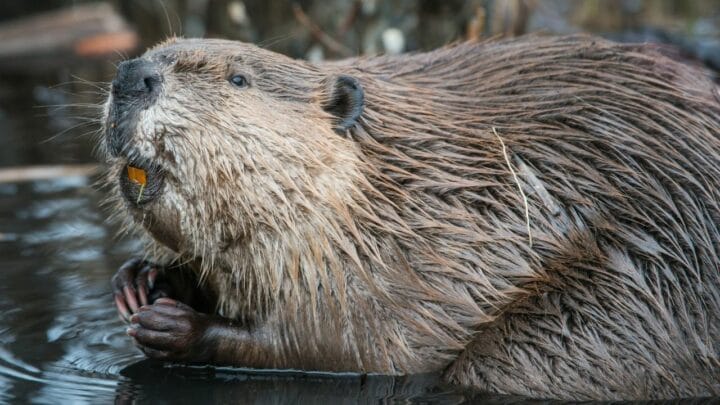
(517, 181)
(32, 173)
(318, 33)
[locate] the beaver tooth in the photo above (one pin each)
(137, 175)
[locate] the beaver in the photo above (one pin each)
(536, 216)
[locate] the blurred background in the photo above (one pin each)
(59, 335)
(58, 53)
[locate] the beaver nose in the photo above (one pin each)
(137, 78)
(135, 88)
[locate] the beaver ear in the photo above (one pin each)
(345, 99)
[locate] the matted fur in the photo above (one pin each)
(402, 245)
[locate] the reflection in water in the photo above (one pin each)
(222, 385)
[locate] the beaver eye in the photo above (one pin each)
(239, 81)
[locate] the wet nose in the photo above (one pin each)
(137, 78)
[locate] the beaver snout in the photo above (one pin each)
(135, 88)
(137, 78)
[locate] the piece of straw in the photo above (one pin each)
(142, 188)
(517, 181)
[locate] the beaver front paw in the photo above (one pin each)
(134, 284)
(171, 330)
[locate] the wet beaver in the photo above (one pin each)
(537, 216)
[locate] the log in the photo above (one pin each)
(33, 173)
(48, 41)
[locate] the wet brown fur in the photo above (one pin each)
(402, 245)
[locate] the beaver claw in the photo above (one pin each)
(171, 330)
(133, 286)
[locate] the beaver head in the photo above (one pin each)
(231, 138)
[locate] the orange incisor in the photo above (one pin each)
(137, 176)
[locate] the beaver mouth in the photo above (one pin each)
(141, 181)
